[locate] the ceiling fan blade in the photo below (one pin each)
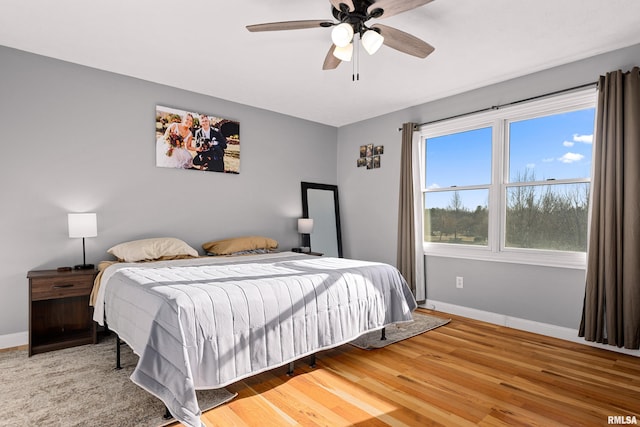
(404, 42)
(348, 4)
(394, 7)
(289, 25)
(330, 61)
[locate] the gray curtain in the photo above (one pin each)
(611, 311)
(406, 224)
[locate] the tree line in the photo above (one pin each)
(537, 217)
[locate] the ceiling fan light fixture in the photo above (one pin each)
(350, 19)
(372, 41)
(343, 53)
(342, 34)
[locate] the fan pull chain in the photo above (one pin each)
(353, 68)
(358, 55)
(355, 65)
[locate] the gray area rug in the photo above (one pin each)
(79, 387)
(400, 331)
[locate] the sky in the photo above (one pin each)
(551, 147)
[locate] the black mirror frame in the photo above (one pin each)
(305, 208)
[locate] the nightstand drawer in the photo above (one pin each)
(60, 287)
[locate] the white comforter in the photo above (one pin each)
(208, 322)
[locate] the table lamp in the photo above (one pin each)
(83, 225)
(305, 228)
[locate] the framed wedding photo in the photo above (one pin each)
(196, 140)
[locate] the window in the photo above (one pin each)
(511, 184)
(458, 178)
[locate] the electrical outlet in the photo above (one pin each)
(459, 282)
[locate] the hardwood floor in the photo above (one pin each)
(465, 373)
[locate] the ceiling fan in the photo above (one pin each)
(352, 16)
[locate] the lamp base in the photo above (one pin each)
(84, 267)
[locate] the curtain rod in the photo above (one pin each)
(497, 107)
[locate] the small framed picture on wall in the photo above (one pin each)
(370, 156)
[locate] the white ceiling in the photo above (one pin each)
(203, 46)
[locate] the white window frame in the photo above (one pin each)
(498, 119)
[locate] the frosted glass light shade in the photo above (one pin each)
(342, 34)
(82, 225)
(305, 225)
(343, 53)
(372, 41)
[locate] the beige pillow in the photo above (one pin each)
(239, 245)
(152, 249)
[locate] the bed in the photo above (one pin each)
(207, 322)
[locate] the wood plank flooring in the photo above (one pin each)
(466, 373)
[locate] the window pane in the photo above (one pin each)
(548, 217)
(459, 216)
(459, 159)
(551, 147)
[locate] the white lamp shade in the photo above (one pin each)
(305, 225)
(83, 225)
(372, 41)
(342, 34)
(343, 53)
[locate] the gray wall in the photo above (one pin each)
(79, 139)
(370, 202)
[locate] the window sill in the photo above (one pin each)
(573, 260)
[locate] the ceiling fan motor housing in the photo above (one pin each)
(358, 16)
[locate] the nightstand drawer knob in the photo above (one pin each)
(68, 285)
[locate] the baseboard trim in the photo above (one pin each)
(546, 329)
(14, 340)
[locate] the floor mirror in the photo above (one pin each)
(320, 203)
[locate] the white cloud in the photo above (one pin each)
(571, 157)
(587, 139)
(568, 143)
(531, 165)
(548, 160)
(433, 186)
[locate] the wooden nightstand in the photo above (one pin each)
(59, 311)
